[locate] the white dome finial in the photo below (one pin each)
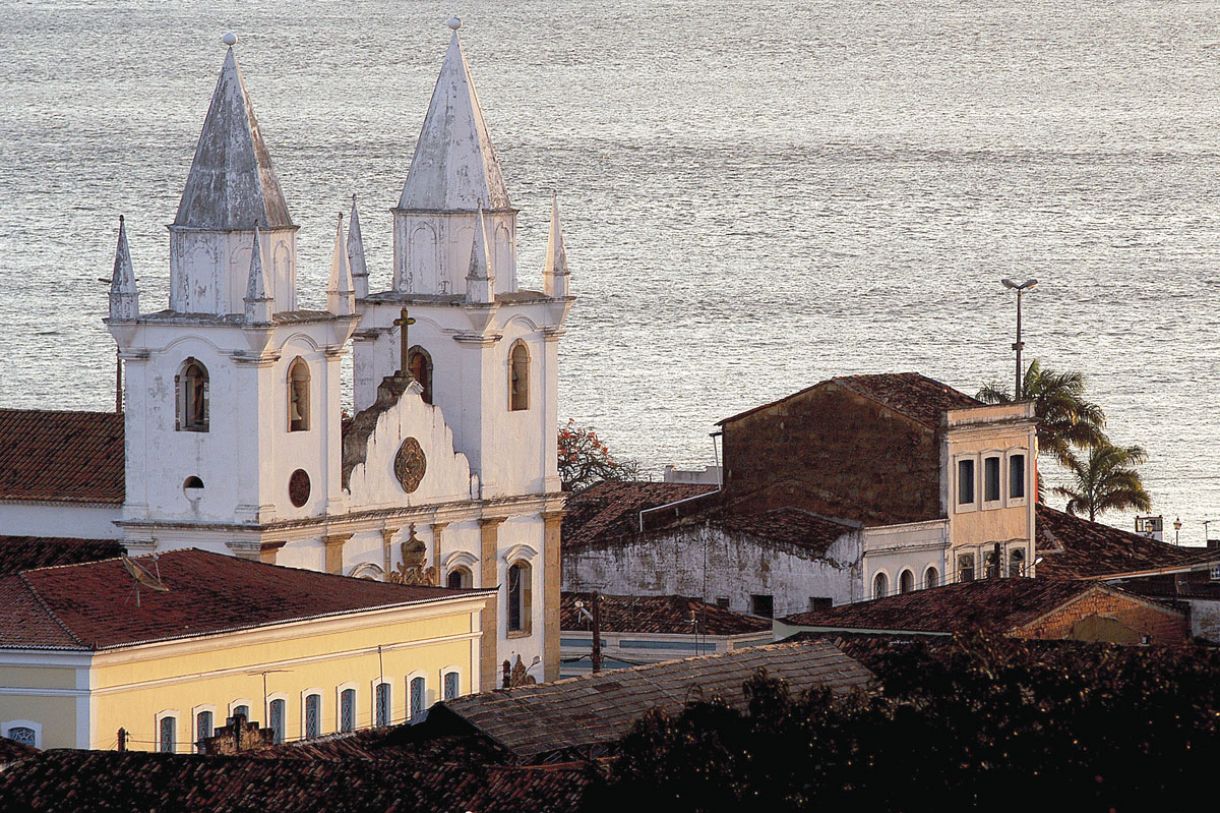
(454, 22)
(229, 39)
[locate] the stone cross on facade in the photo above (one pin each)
(404, 322)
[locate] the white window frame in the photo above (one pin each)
(872, 583)
(981, 494)
(161, 715)
(241, 701)
(1013, 502)
(339, 690)
(940, 577)
(321, 711)
(195, 711)
(965, 507)
(9, 725)
(914, 584)
(271, 698)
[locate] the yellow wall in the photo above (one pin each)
(130, 687)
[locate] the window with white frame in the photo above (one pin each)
(931, 577)
(418, 698)
(313, 716)
(381, 705)
(965, 482)
(906, 581)
(1016, 562)
(26, 732)
(453, 685)
(1016, 477)
(347, 711)
(204, 728)
(167, 734)
(991, 479)
(881, 585)
(278, 719)
(241, 710)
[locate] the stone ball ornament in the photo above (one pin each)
(410, 464)
(229, 39)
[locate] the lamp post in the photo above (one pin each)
(1177, 529)
(1018, 345)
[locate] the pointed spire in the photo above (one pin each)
(259, 303)
(480, 280)
(455, 165)
(555, 272)
(355, 255)
(124, 296)
(231, 184)
(339, 291)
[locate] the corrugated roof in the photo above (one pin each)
(669, 615)
(600, 708)
(93, 605)
(48, 455)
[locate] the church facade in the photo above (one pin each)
(233, 436)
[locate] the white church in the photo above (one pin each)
(232, 437)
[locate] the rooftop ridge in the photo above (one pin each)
(46, 608)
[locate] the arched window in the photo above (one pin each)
(453, 685)
(168, 739)
(192, 385)
(23, 735)
(519, 377)
(382, 710)
(1016, 563)
(931, 577)
(459, 578)
(881, 585)
(313, 716)
(519, 578)
(418, 698)
(347, 711)
(203, 729)
(277, 720)
(906, 581)
(242, 711)
(298, 395)
(419, 364)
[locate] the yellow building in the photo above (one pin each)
(168, 649)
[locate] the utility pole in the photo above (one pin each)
(122, 739)
(1018, 345)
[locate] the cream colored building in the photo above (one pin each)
(86, 651)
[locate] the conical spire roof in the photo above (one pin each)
(556, 254)
(256, 284)
(455, 166)
(355, 244)
(123, 278)
(231, 185)
(480, 260)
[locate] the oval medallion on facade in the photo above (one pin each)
(410, 464)
(298, 487)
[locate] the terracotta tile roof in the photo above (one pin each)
(92, 606)
(789, 526)
(598, 709)
(914, 395)
(1197, 586)
(612, 509)
(1074, 548)
(989, 605)
(61, 456)
(667, 615)
(11, 751)
(62, 780)
(18, 553)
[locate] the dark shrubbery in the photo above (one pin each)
(990, 723)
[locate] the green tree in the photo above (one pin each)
(1066, 419)
(1106, 480)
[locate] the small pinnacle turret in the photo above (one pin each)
(258, 297)
(555, 271)
(355, 255)
(339, 289)
(124, 296)
(480, 280)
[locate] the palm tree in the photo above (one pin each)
(1106, 480)
(1065, 417)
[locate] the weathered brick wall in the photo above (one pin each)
(1162, 625)
(835, 453)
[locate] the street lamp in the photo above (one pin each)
(1018, 345)
(1177, 529)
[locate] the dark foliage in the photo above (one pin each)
(989, 723)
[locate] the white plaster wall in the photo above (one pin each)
(1205, 619)
(707, 563)
(209, 270)
(432, 250)
(520, 538)
(65, 520)
(915, 547)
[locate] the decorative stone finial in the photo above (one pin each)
(454, 23)
(229, 39)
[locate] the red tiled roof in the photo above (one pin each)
(668, 615)
(1074, 548)
(914, 395)
(790, 526)
(61, 456)
(11, 751)
(599, 709)
(989, 605)
(611, 509)
(18, 553)
(92, 606)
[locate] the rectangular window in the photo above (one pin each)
(169, 735)
(203, 728)
(965, 567)
(1016, 477)
(762, 605)
(313, 716)
(383, 704)
(820, 603)
(417, 699)
(452, 685)
(277, 720)
(347, 711)
(722, 603)
(991, 479)
(242, 711)
(965, 482)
